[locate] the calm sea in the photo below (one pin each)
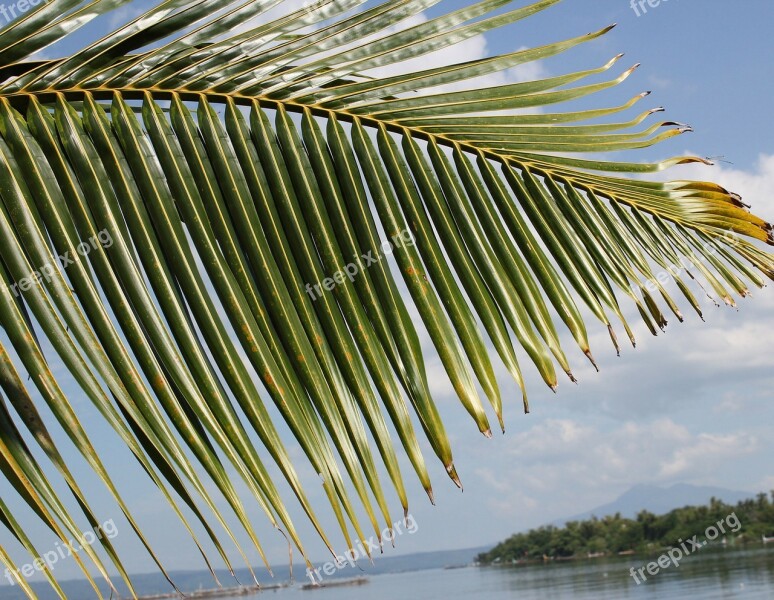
(707, 575)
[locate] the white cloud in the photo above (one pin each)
(725, 353)
(556, 456)
(756, 187)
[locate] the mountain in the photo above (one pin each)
(659, 500)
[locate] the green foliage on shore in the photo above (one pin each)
(647, 532)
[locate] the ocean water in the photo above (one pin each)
(712, 574)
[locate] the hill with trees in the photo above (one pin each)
(647, 532)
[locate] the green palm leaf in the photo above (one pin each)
(249, 247)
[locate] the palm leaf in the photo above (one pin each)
(271, 157)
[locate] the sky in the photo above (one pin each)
(692, 405)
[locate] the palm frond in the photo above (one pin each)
(180, 208)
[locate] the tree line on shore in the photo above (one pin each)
(615, 534)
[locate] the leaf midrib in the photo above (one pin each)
(19, 99)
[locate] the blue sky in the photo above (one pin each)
(693, 405)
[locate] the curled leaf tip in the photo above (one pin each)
(614, 339)
(614, 60)
(452, 471)
(591, 359)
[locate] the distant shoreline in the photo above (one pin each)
(749, 521)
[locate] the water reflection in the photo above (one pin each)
(713, 574)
